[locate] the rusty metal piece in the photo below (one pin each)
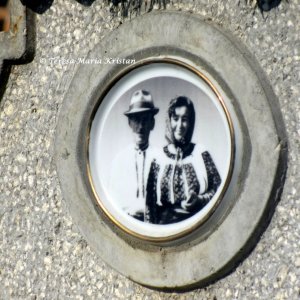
(4, 19)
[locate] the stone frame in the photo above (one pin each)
(220, 244)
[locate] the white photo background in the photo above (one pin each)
(110, 134)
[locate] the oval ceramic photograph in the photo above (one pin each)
(160, 150)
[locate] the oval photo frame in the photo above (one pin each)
(110, 133)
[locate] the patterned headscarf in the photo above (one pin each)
(175, 103)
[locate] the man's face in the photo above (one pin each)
(141, 125)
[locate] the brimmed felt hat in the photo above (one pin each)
(141, 101)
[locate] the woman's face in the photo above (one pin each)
(180, 122)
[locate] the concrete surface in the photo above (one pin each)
(43, 256)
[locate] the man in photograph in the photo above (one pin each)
(130, 169)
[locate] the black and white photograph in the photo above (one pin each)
(160, 150)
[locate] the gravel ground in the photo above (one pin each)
(43, 255)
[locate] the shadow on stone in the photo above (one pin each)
(38, 6)
(3, 2)
(86, 2)
(267, 5)
(4, 75)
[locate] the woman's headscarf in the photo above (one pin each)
(175, 103)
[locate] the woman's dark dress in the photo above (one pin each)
(177, 180)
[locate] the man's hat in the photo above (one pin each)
(141, 101)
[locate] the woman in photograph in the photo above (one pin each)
(185, 179)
